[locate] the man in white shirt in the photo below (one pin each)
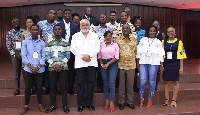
(85, 45)
(112, 22)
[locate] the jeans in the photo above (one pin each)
(148, 71)
(109, 76)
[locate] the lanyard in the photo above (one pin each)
(170, 45)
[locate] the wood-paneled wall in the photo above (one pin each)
(187, 23)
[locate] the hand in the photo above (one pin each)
(138, 66)
(103, 66)
(29, 66)
(18, 57)
(57, 68)
(106, 65)
(162, 69)
(34, 70)
(86, 57)
(181, 71)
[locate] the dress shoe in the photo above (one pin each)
(131, 106)
(91, 107)
(24, 110)
(80, 108)
(50, 109)
(121, 106)
(17, 92)
(41, 108)
(99, 90)
(66, 109)
(71, 92)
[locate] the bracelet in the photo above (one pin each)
(101, 65)
(14, 55)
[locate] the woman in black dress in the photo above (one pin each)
(173, 64)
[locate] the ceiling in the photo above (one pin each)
(178, 4)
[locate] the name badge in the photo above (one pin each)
(169, 55)
(55, 54)
(50, 38)
(67, 38)
(35, 55)
(18, 45)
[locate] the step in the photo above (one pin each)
(186, 78)
(190, 107)
(187, 91)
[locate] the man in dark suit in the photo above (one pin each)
(89, 17)
(69, 29)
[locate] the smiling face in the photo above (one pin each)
(84, 26)
(29, 23)
(67, 15)
(76, 20)
(123, 17)
(34, 31)
(171, 32)
(152, 32)
(138, 24)
(108, 38)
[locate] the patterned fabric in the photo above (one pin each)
(12, 37)
(57, 52)
(26, 34)
(128, 51)
(118, 30)
(181, 50)
(110, 25)
(100, 32)
(140, 34)
(46, 29)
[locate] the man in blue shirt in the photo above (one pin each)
(46, 30)
(33, 58)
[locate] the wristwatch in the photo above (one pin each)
(14, 55)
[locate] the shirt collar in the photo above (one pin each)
(38, 40)
(55, 22)
(65, 22)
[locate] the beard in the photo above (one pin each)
(85, 30)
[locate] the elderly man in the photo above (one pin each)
(126, 65)
(85, 45)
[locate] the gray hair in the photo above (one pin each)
(84, 20)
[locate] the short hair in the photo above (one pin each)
(126, 6)
(59, 10)
(74, 14)
(34, 25)
(32, 18)
(136, 18)
(57, 25)
(67, 10)
(170, 26)
(112, 12)
(84, 20)
(49, 10)
(149, 29)
(106, 33)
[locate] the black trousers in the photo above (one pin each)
(29, 80)
(99, 77)
(71, 72)
(85, 74)
(53, 77)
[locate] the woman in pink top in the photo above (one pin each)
(108, 56)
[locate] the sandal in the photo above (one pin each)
(173, 104)
(166, 103)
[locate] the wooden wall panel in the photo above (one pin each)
(187, 23)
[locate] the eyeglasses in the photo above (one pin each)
(170, 31)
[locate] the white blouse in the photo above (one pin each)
(150, 51)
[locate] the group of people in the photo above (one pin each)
(86, 47)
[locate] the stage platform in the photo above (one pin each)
(188, 97)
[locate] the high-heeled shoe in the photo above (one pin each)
(106, 107)
(141, 102)
(173, 104)
(149, 104)
(111, 107)
(166, 103)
